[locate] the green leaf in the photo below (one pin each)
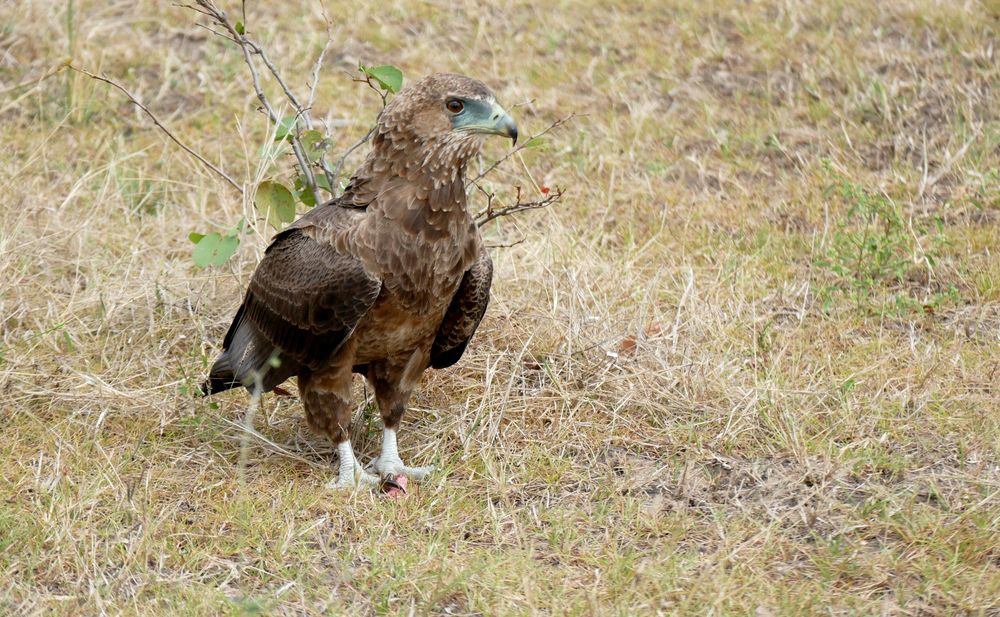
(275, 202)
(285, 128)
(306, 197)
(388, 77)
(315, 145)
(213, 249)
(240, 28)
(323, 183)
(195, 237)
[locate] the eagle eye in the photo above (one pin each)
(454, 106)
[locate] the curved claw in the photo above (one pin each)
(395, 487)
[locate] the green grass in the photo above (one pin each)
(707, 383)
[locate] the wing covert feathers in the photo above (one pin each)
(464, 313)
(304, 300)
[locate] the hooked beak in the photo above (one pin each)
(500, 123)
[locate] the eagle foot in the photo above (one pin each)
(388, 468)
(354, 479)
(351, 475)
(389, 465)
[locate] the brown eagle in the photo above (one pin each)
(386, 280)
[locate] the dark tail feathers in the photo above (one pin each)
(220, 378)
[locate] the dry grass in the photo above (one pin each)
(658, 414)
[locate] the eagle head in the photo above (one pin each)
(444, 117)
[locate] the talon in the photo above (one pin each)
(394, 487)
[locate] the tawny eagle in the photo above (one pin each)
(386, 280)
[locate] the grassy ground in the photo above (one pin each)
(750, 366)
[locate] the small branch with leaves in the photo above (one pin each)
(548, 198)
(309, 145)
(237, 34)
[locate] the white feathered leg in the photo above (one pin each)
(351, 474)
(389, 465)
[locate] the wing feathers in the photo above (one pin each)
(464, 313)
(304, 300)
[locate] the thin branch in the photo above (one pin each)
(55, 70)
(507, 245)
(347, 153)
(192, 7)
(217, 33)
(160, 125)
(315, 73)
(249, 48)
(489, 214)
(301, 110)
(523, 145)
(329, 40)
(330, 177)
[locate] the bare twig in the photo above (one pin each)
(315, 73)
(343, 157)
(523, 145)
(507, 245)
(160, 125)
(322, 55)
(488, 214)
(217, 33)
(36, 80)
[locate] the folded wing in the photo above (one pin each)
(464, 313)
(303, 302)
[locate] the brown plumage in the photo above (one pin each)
(386, 280)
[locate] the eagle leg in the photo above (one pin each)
(393, 382)
(326, 398)
(350, 474)
(389, 465)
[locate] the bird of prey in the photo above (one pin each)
(386, 280)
